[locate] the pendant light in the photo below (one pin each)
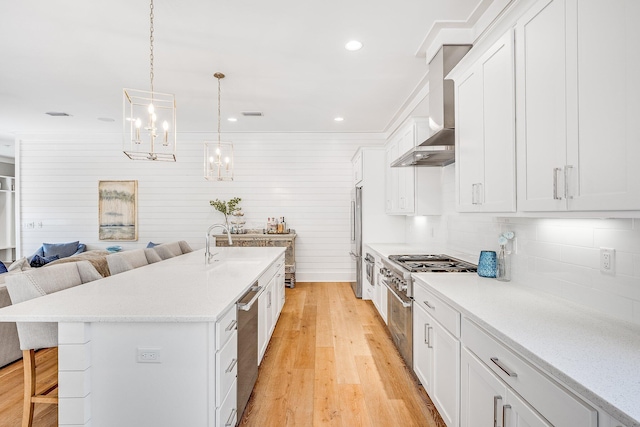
(218, 155)
(149, 119)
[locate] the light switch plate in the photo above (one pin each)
(148, 355)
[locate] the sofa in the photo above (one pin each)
(104, 262)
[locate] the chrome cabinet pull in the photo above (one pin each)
(555, 183)
(504, 368)
(230, 420)
(232, 325)
(495, 410)
(504, 415)
(231, 366)
(432, 307)
(429, 345)
(473, 194)
(567, 173)
(426, 333)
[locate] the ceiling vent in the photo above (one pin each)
(57, 114)
(252, 113)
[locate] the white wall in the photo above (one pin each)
(558, 256)
(306, 178)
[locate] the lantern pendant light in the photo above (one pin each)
(149, 119)
(218, 155)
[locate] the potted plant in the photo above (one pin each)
(226, 208)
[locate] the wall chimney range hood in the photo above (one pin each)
(439, 148)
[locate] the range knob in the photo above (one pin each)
(403, 286)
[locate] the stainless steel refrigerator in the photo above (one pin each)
(356, 238)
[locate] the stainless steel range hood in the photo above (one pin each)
(439, 148)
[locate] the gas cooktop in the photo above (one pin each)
(433, 264)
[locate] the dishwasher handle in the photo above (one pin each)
(246, 306)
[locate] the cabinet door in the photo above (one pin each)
(482, 393)
(445, 391)
(263, 324)
(517, 413)
(541, 106)
(422, 347)
(406, 175)
(391, 179)
(470, 140)
(498, 190)
(606, 153)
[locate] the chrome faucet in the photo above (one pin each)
(207, 253)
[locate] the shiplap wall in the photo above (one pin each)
(305, 177)
(558, 256)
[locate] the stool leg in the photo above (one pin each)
(29, 366)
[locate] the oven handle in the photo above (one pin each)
(404, 303)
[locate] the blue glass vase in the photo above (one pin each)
(487, 264)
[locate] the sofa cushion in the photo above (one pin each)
(63, 250)
(39, 282)
(20, 265)
(39, 261)
(152, 256)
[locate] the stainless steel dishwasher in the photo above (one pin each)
(247, 308)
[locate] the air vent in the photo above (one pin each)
(57, 114)
(252, 113)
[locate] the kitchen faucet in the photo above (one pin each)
(207, 253)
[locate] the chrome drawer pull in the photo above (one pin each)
(233, 325)
(504, 415)
(429, 337)
(231, 366)
(506, 370)
(555, 183)
(432, 307)
(495, 410)
(231, 418)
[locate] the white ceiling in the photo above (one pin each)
(285, 58)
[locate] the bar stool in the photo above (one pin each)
(32, 284)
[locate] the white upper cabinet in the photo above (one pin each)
(577, 93)
(485, 132)
(411, 190)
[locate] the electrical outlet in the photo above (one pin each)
(148, 355)
(608, 260)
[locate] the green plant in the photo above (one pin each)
(226, 208)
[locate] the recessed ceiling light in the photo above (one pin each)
(353, 45)
(339, 119)
(106, 119)
(232, 119)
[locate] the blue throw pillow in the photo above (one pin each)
(152, 245)
(63, 250)
(3, 268)
(38, 261)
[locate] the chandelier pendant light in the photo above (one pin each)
(218, 155)
(149, 119)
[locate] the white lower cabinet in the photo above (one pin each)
(528, 396)
(436, 352)
(270, 303)
(226, 368)
(379, 291)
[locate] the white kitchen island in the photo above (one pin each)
(148, 347)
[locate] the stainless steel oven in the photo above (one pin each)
(369, 263)
(396, 272)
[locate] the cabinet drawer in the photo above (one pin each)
(226, 368)
(554, 402)
(438, 309)
(227, 414)
(226, 327)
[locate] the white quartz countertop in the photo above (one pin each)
(596, 355)
(179, 289)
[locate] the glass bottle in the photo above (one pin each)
(504, 265)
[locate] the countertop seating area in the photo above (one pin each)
(103, 262)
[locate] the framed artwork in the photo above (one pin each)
(118, 210)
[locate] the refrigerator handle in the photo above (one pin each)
(353, 220)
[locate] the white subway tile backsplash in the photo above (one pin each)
(559, 256)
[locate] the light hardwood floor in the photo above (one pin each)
(331, 362)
